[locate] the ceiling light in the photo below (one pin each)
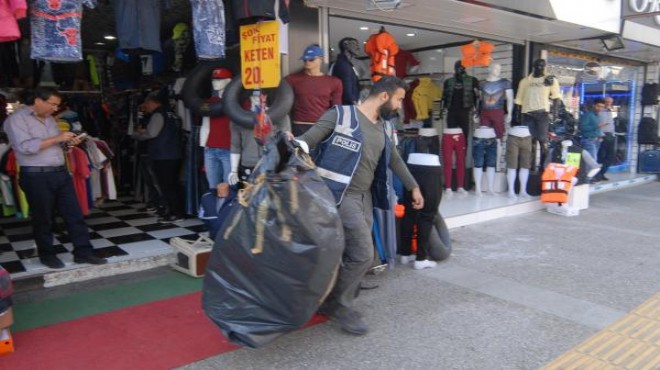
(364, 28)
(99, 43)
(411, 34)
(109, 37)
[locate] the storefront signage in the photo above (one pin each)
(645, 6)
(260, 55)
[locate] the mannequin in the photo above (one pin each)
(495, 93)
(314, 91)
(461, 92)
(424, 165)
(245, 151)
(381, 48)
(215, 135)
(533, 102)
(345, 69)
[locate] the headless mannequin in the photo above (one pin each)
(534, 92)
(458, 122)
(495, 93)
(346, 70)
(216, 149)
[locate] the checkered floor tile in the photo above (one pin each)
(119, 230)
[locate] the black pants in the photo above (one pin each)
(152, 189)
(45, 192)
(459, 118)
(606, 154)
(167, 173)
(430, 181)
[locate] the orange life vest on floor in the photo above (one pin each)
(381, 48)
(556, 182)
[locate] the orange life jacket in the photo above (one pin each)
(556, 182)
(381, 48)
(477, 56)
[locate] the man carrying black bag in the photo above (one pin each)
(352, 153)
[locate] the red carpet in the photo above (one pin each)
(158, 335)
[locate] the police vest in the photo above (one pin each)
(338, 156)
(556, 182)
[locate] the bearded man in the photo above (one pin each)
(353, 149)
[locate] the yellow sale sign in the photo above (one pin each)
(260, 55)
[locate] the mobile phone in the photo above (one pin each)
(82, 136)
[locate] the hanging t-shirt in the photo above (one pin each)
(209, 28)
(138, 23)
(493, 94)
(402, 61)
(313, 95)
(55, 28)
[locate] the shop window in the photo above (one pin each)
(582, 79)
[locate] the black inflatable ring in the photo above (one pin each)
(277, 110)
(439, 240)
(196, 89)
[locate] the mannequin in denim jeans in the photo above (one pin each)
(496, 95)
(215, 135)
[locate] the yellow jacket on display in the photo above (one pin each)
(423, 97)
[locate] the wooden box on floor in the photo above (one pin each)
(192, 256)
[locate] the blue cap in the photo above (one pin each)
(312, 52)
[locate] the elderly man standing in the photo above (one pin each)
(43, 176)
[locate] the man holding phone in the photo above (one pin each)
(43, 176)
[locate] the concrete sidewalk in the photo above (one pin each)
(517, 293)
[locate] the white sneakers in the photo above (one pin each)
(407, 259)
(418, 265)
(426, 264)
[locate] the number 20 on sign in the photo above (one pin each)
(260, 56)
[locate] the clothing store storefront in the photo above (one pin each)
(584, 77)
(509, 26)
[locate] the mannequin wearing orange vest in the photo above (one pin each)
(381, 48)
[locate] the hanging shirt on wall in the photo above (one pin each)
(493, 94)
(10, 11)
(138, 23)
(209, 28)
(404, 60)
(313, 95)
(55, 27)
(423, 97)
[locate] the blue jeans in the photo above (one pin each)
(217, 164)
(484, 149)
(591, 145)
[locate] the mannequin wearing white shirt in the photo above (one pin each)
(496, 95)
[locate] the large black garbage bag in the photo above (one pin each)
(276, 255)
(439, 240)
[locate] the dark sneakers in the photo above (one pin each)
(350, 321)
(52, 262)
(170, 219)
(91, 259)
